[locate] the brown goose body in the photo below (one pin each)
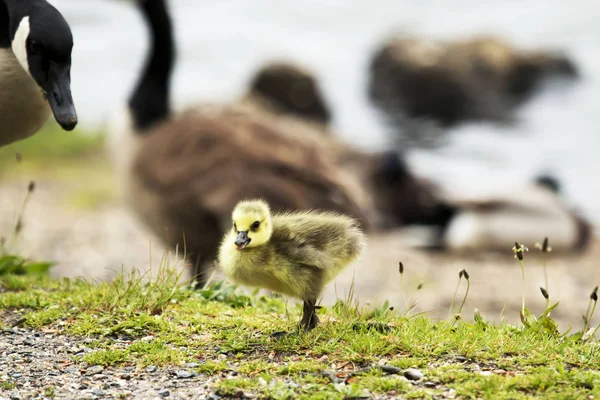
(190, 171)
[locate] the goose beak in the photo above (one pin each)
(242, 240)
(58, 93)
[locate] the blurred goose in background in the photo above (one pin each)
(183, 174)
(417, 82)
(35, 69)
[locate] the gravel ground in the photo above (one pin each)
(41, 365)
(44, 365)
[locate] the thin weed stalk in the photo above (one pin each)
(460, 275)
(18, 222)
(401, 271)
(466, 276)
(518, 249)
(591, 309)
(545, 248)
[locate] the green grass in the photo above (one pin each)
(51, 143)
(76, 160)
(164, 323)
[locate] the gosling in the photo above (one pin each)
(292, 253)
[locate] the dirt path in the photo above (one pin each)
(95, 239)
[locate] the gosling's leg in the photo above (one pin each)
(309, 318)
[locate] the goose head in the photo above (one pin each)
(42, 41)
(292, 89)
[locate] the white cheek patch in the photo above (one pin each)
(19, 44)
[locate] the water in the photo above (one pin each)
(222, 42)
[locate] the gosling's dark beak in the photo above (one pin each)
(58, 93)
(242, 240)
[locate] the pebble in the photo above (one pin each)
(390, 369)
(151, 369)
(164, 393)
(183, 374)
(413, 374)
(191, 365)
(95, 370)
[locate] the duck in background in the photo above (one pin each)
(35, 69)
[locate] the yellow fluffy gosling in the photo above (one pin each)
(293, 253)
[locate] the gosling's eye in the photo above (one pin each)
(235, 226)
(255, 225)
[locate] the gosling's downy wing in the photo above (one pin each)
(317, 239)
(213, 158)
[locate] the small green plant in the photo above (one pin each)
(588, 333)
(50, 392)
(407, 307)
(7, 385)
(462, 274)
(544, 322)
(519, 249)
(222, 292)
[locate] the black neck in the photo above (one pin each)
(4, 25)
(11, 13)
(149, 102)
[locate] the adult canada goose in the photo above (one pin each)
(35, 69)
(183, 174)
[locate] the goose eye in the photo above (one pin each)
(34, 47)
(255, 225)
(235, 226)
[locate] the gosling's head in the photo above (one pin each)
(251, 223)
